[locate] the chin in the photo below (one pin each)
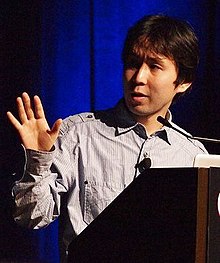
(138, 111)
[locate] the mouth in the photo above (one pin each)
(138, 96)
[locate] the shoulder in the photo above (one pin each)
(74, 120)
(184, 141)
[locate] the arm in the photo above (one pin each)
(37, 193)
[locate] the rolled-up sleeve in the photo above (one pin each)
(47, 175)
(35, 194)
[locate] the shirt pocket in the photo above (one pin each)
(98, 197)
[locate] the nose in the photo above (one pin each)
(142, 74)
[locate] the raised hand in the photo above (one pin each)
(33, 128)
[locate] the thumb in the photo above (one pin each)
(55, 129)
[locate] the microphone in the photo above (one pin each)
(144, 164)
(168, 124)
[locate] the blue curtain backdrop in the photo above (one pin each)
(81, 58)
(80, 68)
(81, 47)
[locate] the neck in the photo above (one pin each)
(150, 123)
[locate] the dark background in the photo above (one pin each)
(68, 52)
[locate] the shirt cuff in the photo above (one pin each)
(38, 162)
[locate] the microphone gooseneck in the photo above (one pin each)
(165, 122)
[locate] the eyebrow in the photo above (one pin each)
(152, 58)
(155, 59)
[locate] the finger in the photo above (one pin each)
(13, 120)
(27, 106)
(21, 110)
(55, 129)
(39, 110)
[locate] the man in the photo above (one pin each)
(92, 157)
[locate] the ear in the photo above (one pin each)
(183, 87)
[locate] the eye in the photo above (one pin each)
(132, 64)
(154, 66)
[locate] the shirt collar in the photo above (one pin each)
(125, 123)
(123, 118)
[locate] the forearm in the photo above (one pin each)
(36, 194)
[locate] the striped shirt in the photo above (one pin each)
(94, 159)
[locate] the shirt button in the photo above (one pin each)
(89, 116)
(86, 182)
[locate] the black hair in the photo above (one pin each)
(166, 36)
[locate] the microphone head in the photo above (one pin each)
(164, 121)
(144, 164)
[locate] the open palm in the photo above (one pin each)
(33, 128)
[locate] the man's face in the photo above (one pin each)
(149, 85)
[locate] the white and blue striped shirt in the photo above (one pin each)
(93, 161)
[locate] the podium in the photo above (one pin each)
(167, 215)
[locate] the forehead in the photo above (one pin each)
(144, 47)
(149, 56)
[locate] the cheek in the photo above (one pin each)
(164, 84)
(168, 79)
(163, 89)
(127, 80)
(128, 75)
